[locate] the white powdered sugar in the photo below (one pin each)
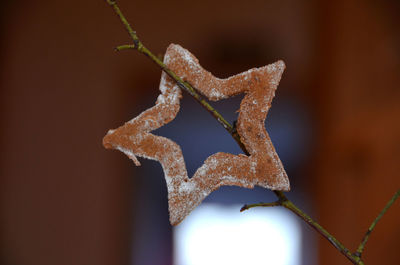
(215, 94)
(187, 187)
(187, 56)
(276, 70)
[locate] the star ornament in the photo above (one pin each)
(262, 167)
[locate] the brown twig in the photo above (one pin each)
(137, 45)
(282, 199)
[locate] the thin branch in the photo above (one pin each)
(125, 47)
(316, 226)
(261, 204)
(128, 27)
(361, 247)
(282, 199)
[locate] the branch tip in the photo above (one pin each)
(111, 2)
(244, 208)
(125, 47)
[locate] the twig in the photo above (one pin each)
(128, 27)
(361, 247)
(293, 208)
(282, 199)
(187, 87)
(261, 204)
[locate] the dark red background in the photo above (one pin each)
(66, 200)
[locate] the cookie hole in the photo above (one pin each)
(199, 134)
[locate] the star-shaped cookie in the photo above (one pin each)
(262, 167)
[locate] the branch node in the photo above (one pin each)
(136, 41)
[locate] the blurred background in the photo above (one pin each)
(334, 122)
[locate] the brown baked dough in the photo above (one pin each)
(263, 167)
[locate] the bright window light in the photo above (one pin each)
(217, 234)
